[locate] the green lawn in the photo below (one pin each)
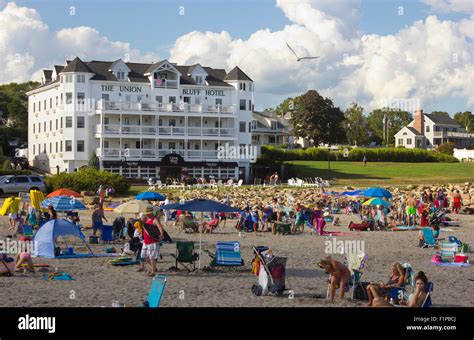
(379, 173)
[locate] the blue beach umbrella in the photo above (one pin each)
(150, 196)
(377, 192)
(63, 203)
(201, 205)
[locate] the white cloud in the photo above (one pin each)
(451, 6)
(27, 45)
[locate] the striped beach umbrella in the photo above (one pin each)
(63, 203)
(64, 192)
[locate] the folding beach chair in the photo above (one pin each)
(157, 288)
(447, 253)
(27, 231)
(401, 294)
(429, 238)
(227, 255)
(355, 262)
(427, 303)
(185, 255)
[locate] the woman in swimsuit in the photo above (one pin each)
(456, 202)
(339, 276)
(377, 290)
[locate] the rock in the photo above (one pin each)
(467, 184)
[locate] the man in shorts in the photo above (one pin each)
(411, 210)
(153, 233)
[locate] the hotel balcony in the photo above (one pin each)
(155, 107)
(160, 131)
(154, 154)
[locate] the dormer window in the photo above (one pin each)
(120, 75)
(198, 79)
(243, 86)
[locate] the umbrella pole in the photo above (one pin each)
(200, 244)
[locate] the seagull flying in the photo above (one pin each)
(298, 58)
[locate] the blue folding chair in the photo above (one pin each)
(427, 303)
(428, 236)
(157, 288)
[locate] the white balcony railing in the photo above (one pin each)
(149, 130)
(134, 154)
(165, 83)
(164, 107)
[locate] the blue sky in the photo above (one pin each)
(155, 29)
(154, 25)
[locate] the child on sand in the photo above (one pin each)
(21, 259)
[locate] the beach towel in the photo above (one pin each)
(435, 260)
(404, 228)
(58, 277)
(82, 255)
(123, 261)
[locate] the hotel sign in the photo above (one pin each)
(197, 92)
(122, 88)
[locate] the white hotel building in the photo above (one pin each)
(141, 120)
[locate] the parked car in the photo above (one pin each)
(13, 184)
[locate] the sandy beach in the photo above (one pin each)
(97, 283)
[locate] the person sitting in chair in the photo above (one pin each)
(377, 290)
(210, 226)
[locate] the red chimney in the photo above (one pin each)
(418, 124)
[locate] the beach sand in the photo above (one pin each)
(98, 283)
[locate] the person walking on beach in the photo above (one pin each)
(339, 276)
(364, 160)
(457, 202)
(411, 211)
(152, 235)
(97, 217)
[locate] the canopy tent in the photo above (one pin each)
(132, 207)
(63, 203)
(150, 196)
(377, 192)
(376, 201)
(64, 192)
(45, 238)
(201, 205)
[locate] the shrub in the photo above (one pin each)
(87, 179)
(7, 165)
(272, 154)
(14, 172)
(446, 148)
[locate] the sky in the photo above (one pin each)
(405, 53)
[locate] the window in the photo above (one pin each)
(271, 139)
(68, 145)
(33, 128)
(436, 128)
(56, 100)
(137, 145)
(50, 125)
(242, 127)
(36, 179)
(160, 145)
(21, 179)
(34, 105)
(80, 98)
(45, 104)
(400, 141)
(61, 98)
(80, 146)
(81, 78)
(68, 98)
(61, 146)
(51, 102)
(56, 147)
(242, 86)
(44, 126)
(274, 125)
(56, 123)
(172, 122)
(61, 121)
(408, 141)
(44, 147)
(68, 78)
(50, 147)
(106, 144)
(139, 99)
(34, 149)
(106, 120)
(427, 128)
(105, 97)
(254, 124)
(39, 106)
(80, 122)
(218, 101)
(159, 99)
(68, 122)
(172, 145)
(120, 75)
(250, 105)
(243, 104)
(187, 100)
(39, 148)
(172, 99)
(39, 127)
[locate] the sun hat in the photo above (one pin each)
(149, 210)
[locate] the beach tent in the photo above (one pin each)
(202, 205)
(45, 238)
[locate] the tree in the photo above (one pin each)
(316, 119)
(14, 101)
(466, 119)
(7, 165)
(356, 125)
(94, 161)
(288, 105)
(396, 120)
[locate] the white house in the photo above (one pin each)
(141, 120)
(270, 129)
(427, 131)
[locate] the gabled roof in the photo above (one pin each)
(414, 131)
(237, 74)
(441, 119)
(76, 65)
(47, 75)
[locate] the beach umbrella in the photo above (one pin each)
(377, 192)
(201, 205)
(64, 192)
(150, 196)
(353, 193)
(376, 201)
(63, 203)
(132, 207)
